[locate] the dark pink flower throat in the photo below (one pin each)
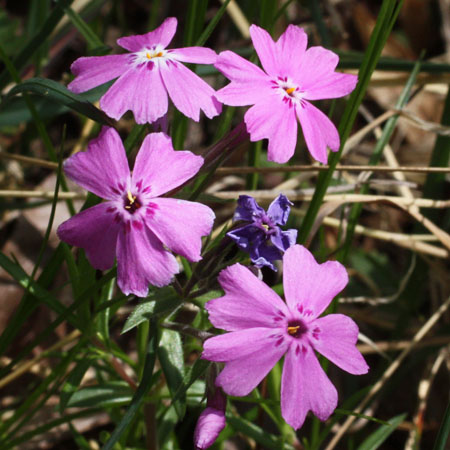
(296, 328)
(131, 202)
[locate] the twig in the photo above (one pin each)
(389, 346)
(248, 169)
(317, 168)
(306, 195)
(416, 242)
(389, 372)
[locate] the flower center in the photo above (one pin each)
(289, 91)
(296, 328)
(131, 203)
(150, 55)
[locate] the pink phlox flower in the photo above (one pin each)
(135, 224)
(262, 328)
(281, 93)
(211, 421)
(147, 75)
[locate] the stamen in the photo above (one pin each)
(293, 330)
(131, 197)
(154, 55)
(289, 91)
(132, 205)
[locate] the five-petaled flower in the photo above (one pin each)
(135, 224)
(262, 238)
(280, 94)
(147, 75)
(262, 328)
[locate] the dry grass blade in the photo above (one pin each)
(239, 19)
(26, 366)
(417, 243)
(424, 124)
(443, 236)
(422, 394)
(299, 194)
(429, 324)
(317, 168)
(390, 346)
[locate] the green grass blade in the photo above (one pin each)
(60, 94)
(379, 436)
(94, 43)
(38, 39)
(39, 10)
(29, 303)
(142, 390)
(211, 25)
(435, 183)
(388, 13)
(170, 355)
(444, 431)
(388, 130)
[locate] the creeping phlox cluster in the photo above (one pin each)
(142, 229)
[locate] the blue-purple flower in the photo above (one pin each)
(262, 238)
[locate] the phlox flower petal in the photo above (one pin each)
(305, 387)
(180, 83)
(266, 49)
(290, 49)
(162, 35)
(318, 131)
(315, 285)
(262, 238)
(240, 376)
(248, 302)
(140, 89)
(94, 230)
(88, 169)
(160, 167)
(142, 260)
(93, 71)
(279, 210)
(338, 343)
(277, 122)
(317, 76)
(177, 223)
(194, 55)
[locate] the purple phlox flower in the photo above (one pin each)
(147, 75)
(262, 328)
(262, 238)
(281, 92)
(211, 421)
(135, 224)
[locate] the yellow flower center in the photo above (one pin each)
(293, 330)
(153, 55)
